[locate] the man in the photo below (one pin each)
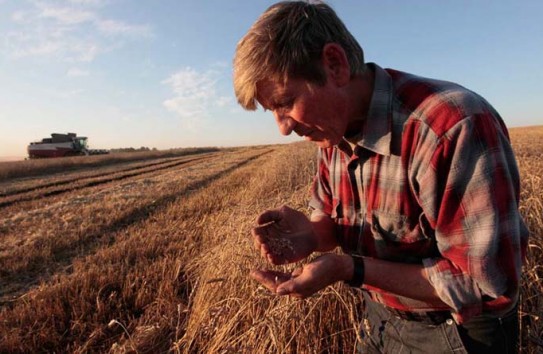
(416, 182)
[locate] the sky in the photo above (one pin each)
(158, 73)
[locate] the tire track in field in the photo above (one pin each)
(98, 180)
(18, 282)
(75, 178)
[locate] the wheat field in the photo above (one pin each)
(153, 256)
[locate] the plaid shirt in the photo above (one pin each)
(430, 179)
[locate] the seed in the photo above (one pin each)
(279, 246)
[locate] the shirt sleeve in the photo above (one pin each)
(470, 193)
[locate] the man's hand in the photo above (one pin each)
(284, 235)
(307, 280)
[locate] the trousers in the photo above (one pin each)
(381, 331)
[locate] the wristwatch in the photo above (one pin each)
(358, 272)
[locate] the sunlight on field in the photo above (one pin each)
(11, 158)
(153, 256)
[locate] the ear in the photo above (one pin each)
(335, 64)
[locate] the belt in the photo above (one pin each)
(430, 317)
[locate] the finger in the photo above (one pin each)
(291, 288)
(297, 272)
(298, 286)
(269, 278)
(260, 244)
(269, 216)
(285, 209)
(260, 276)
(288, 288)
(258, 241)
(261, 229)
(275, 259)
(264, 251)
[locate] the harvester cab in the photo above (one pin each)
(80, 143)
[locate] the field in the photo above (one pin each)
(152, 255)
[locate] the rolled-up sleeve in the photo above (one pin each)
(469, 192)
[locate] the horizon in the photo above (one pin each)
(128, 74)
(23, 158)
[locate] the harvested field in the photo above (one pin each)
(36, 167)
(153, 256)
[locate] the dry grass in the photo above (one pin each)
(528, 145)
(159, 263)
(35, 167)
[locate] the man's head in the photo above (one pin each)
(287, 42)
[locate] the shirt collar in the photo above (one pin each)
(376, 133)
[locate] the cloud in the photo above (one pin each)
(31, 47)
(88, 2)
(75, 72)
(195, 96)
(224, 101)
(52, 44)
(66, 15)
(65, 94)
(112, 27)
(73, 32)
(19, 17)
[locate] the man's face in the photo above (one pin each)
(317, 113)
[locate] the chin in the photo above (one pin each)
(325, 144)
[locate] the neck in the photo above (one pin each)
(360, 93)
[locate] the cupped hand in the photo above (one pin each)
(307, 280)
(284, 235)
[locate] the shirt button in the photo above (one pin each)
(449, 321)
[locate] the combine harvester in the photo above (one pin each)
(61, 145)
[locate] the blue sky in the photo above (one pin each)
(157, 73)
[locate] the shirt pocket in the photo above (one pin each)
(396, 228)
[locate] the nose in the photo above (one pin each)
(285, 123)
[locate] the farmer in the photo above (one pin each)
(416, 181)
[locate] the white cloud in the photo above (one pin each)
(65, 94)
(23, 45)
(224, 101)
(66, 15)
(82, 51)
(112, 27)
(19, 17)
(195, 95)
(73, 32)
(88, 2)
(53, 44)
(76, 72)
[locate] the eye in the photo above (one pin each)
(284, 104)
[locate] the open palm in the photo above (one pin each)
(284, 235)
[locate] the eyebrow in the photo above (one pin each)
(279, 97)
(276, 96)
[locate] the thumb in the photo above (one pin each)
(290, 286)
(287, 287)
(273, 215)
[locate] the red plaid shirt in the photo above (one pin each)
(431, 179)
